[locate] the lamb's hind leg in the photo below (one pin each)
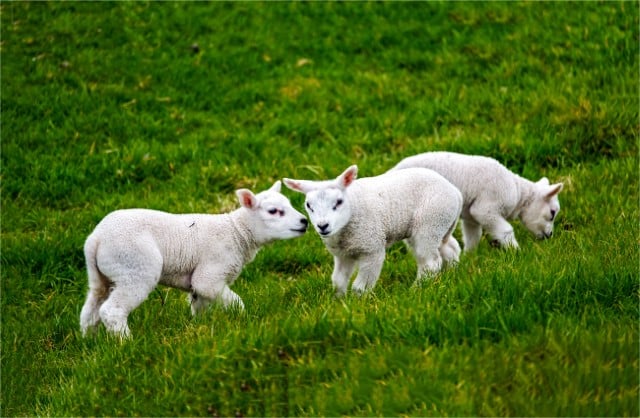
(427, 254)
(98, 289)
(471, 234)
(90, 315)
(450, 250)
(127, 294)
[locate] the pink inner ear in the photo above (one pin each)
(247, 200)
(349, 177)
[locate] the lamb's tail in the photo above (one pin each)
(98, 287)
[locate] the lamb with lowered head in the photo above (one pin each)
(493, 195)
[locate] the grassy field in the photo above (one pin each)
(173, 106)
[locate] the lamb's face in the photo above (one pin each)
(278, 218)
(274, 217)
(326, 201)
(539, 215)
(328, 209)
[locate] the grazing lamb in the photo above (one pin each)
(358, 219)
(131, 251)
(492, 196)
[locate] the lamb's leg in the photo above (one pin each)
(209, 284)
(125, 297)
(131, 282)
(368, 272)
(98, 289)
(450, 250)
(198, 303)
(496, 226)
(502, 232)
(229, 298)
(427, 253)
(471, 234)
(342, 271)
(90, 315)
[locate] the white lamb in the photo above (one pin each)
(492, 196)
(358, 219)
(131, 251)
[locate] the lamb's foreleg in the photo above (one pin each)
(502, 232)
(496, 226)
(342, 271)
(210, 284)
(369, 268)
(198, 303)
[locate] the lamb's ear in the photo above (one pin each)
(276, 187)
(347, 177)
(247, 199)
(553, 190)
(302, 186)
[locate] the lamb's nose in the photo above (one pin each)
(304, 221)
(323, 227)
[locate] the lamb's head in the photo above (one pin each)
(539, 214)
(272, 214)
(327, 202)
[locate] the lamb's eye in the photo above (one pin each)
(272, 211)
(338, 203)
(309, 207)
(553, 214)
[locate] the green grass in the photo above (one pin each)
(107, 105)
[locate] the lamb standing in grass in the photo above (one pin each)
(131, 251)
(492, 196)
(358, 219)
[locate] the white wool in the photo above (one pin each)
(358, 219)
(493, 195)
(131, 251)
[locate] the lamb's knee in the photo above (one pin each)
(503, 235)
(230, 299)
(115, 319)
(450, 250)
(429, 265)
(198, 303)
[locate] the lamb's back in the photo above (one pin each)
(474, 175)
(179, 237)
(384, 207)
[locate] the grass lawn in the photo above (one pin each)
(174, 105)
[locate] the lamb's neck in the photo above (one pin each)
(244, 237)
(526, 191)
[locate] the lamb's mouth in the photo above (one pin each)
(325, 233)
(544, 235)
(301, 230)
